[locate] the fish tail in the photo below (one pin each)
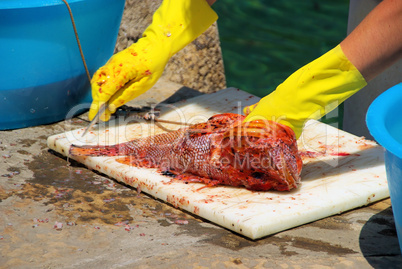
(89, 150)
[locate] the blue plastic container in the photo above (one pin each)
(42, 76)
(384, 120)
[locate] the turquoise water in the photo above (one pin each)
(263, 42)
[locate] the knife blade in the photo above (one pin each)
(147, 117)
(96, 118)
(152, 117)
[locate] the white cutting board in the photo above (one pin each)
(340, 171)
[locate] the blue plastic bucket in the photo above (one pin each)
(384, 120)
(42, 76)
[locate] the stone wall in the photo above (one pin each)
(198, 66)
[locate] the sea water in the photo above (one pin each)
(263, 42)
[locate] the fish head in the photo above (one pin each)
(263, 148)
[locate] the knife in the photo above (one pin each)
(147, 117)
(153, 116)
(96, 118)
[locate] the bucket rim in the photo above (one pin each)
(376, 116)
(18, 4)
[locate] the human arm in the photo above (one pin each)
(376, 43)
(136, 69)
(320, 86)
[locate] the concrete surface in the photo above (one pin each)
(58, 214)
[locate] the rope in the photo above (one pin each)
(78, 40)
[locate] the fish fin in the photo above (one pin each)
(134, 161)
(289, 179)
(190, 178)
(125, 160)
(217, 123)
(94, 150)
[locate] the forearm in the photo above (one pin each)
(376, 43)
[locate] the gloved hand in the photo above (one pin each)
(311, 92)
(136, 69)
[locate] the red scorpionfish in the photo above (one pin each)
(259, 155)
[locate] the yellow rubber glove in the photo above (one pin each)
(136, 69)
(311, 92)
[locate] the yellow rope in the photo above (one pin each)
(78, 40)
